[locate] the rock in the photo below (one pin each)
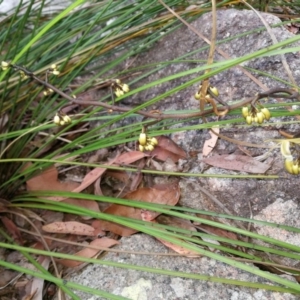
(237, 195)
(137, 285)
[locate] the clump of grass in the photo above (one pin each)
(76, 41)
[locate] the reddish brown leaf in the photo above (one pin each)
(101, 226)
(129, 158)
(179, 249)
(163, 194)
(88, 204)
(89, 178)
(89, 252)
(12, 229)
(217, 231)
(69, 227)
(92, 176)
(119, 175)
(167, 149)
(237, 163)
(97, 188)
(176, 222)
(48, 181)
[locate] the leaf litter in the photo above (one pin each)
(88, 232)
(167, 151)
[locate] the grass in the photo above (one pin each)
(114, 31)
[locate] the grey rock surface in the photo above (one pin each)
(273, 200)
(137, 285)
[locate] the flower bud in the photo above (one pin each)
(197, 96)
(295, 169)
(149, 147)
(288, 165)
(67, 119)
(153, 141)
(245, 111)
(260, 117)
(267, 113)
(125, 88)
(214, 91)
(249, 120)
(55, 72)
(5, 65)
(143, 139)
(119, 92)
(285, 149)
(56, 119)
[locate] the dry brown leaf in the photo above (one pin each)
(97, 187)
(92, 176)
(101, 226)
(129, 158)
(119, 175)
(217, 231)
(88, 204)
(164, 194)
(179, 249)
(37, 284)
(210, 144)
(167, 149)
(212, 229)
(48, 181)
(12, 229)
(238, 163)
(72, 227)
(176, 222)
(88, 252)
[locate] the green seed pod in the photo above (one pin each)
(245, 111)
(267, 113)
(214, 90)
(249, 120)
(260, 117)
(141, 148)
(143, 139)
(285, 149)
(288, 165)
